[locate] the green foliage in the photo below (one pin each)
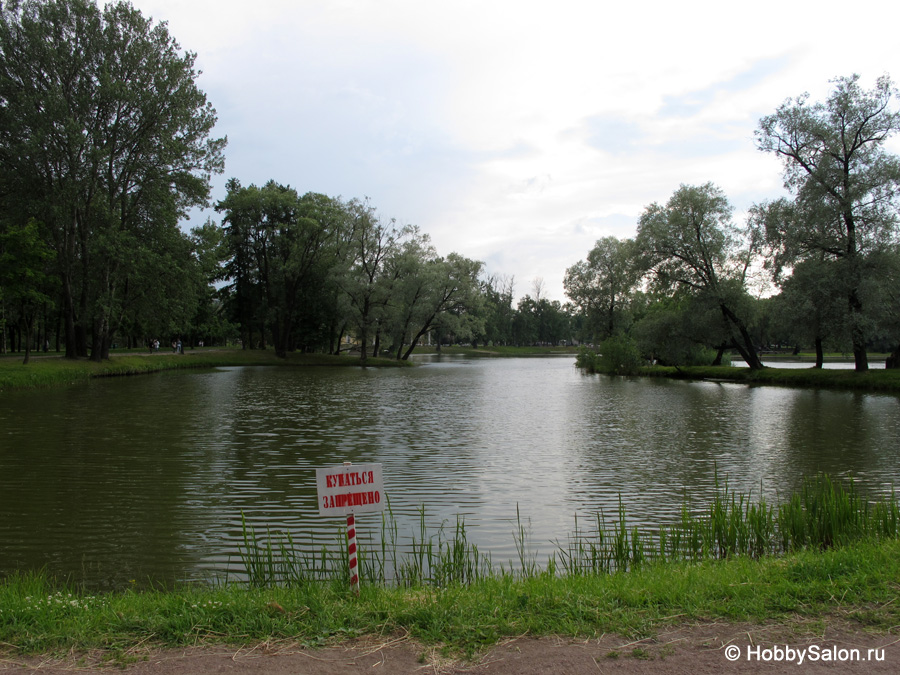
(120, 151)
(602, 287)
(539, 321)
(845, 187)
(692, 244)
(619, 356)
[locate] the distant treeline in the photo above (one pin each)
(106, 143)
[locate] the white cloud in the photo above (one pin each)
(515, 132)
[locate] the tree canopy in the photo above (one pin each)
(105, 139)
(845, 184)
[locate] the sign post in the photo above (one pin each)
(346, 490)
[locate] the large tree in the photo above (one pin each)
(845, 184)
(367, 282)
(691, 242)
(427, 288)
(104, 138)
(281, 240)
(600, 287)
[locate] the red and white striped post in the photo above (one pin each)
(351, 553)
(347, 490)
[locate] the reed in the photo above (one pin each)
(823, 514)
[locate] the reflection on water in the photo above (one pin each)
(148, 477)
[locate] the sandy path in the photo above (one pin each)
(696, 649)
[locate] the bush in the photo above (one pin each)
(619, 356)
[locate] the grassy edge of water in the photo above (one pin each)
(56, 371)
(856, 583)
(838, 557)
(872, 380)
(887, 381)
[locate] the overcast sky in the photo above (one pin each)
(516, 132)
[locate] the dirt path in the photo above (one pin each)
(696, 649)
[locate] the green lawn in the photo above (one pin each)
(857, 583)
(45, 371)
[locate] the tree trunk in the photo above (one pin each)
(893, 359)
(97, 342)
(719, 354)
(745, 345)
(377, 346)
(69, 320)
(820, 353)
(28, 321)
(857, 334)
(363, 342)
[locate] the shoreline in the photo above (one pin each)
(46, 370)
(876, 381)
(853, 586)
(50, 371)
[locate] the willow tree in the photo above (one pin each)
(601, 286)
(845, 183)
(692, 243)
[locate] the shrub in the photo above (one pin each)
(619, 356)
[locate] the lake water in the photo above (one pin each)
(147, 478)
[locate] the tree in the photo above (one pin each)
(809, 305)
(445, 286)
(23, 278)
(692, 243)
(279, 239)
(542, 322)
(104, 138)
(682, 329)
(845, 184)
(365, 283)
(497, 293)
(601, 286)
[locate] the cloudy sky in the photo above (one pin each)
(517, 132)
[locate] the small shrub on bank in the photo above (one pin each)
(616, 356)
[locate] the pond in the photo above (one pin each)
(147, 478)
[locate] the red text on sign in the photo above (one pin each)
(347, 479)
(350, 499)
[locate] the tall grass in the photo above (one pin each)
(823, 514)
(432, 558)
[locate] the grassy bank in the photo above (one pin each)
(828, 357)
(872, 380)
(826, 551)
(857, 583)
(45, 371)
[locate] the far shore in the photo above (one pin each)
(51, 369)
